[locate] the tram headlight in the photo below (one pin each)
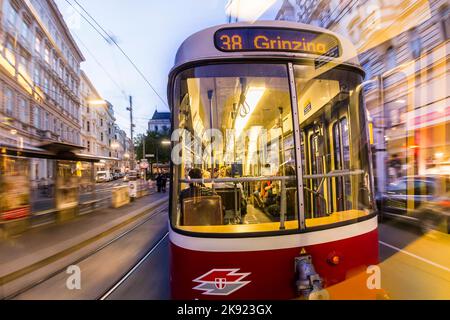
(334, 258)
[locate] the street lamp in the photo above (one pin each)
(164, 143)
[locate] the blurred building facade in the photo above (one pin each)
(404, 48)
(39, 79)
(121, 150)
(160, 122)
(100, 135)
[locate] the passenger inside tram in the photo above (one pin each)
(238, 129)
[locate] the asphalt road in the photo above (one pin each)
(413, 265)
(101, 270)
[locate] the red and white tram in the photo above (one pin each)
(272, 189)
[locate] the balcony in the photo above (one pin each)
(44, 134)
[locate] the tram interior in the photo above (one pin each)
(248, 178)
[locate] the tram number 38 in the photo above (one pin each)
(231, 42)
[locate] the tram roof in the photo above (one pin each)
(200, 46)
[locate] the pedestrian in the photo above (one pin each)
(163, 182)
(159, 182)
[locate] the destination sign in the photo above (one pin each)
(275, 39)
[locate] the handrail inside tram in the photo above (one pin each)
(335, 174)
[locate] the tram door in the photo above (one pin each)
(340, 139)
(327, 146)
(316, 199)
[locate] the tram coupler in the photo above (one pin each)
(309, 284)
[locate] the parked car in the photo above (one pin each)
(424, 200)
(130, 176)
(435, 213)
(103, 176)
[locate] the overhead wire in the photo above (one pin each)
(109, 39)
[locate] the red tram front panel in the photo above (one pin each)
(268, 274)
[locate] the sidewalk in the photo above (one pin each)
(38, 244)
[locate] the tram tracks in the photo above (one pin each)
(146, 217)
(130, 273)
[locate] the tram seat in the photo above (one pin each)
(203, 211)
(227, 195)
(291, 204)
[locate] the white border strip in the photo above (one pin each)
(275, 242)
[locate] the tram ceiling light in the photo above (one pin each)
(253, 97)
(401, 101)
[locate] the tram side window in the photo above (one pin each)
(335, 145)
(236, 167)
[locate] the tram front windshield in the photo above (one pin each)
(235, 157)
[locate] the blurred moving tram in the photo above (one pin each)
(272, 188)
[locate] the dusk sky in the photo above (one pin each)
(149, 32)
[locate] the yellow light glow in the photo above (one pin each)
(254, 96)
(97, 102)
(9, 67)
(439, 155)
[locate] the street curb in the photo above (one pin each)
(68, 247)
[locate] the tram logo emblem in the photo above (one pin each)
(221, 282)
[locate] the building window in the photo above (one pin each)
(53, 93)
(47, 55)
(37, 45)
(37, 117)
(444, 14)
(88, 124)
(46, 85)
(415, 43)
(47, 121)
(37, 75)
(391, 59)
(10, 53)
(101, 137)
(9, 102)
(11, 13)
(23, 63)
(23, 110)
(89, 146)
(24, 30)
